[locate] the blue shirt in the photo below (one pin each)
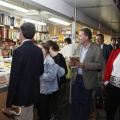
(82, 57)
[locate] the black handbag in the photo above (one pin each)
(101, 101)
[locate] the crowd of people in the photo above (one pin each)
(38, 75)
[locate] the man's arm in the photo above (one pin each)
(16, 70)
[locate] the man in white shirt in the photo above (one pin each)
(66, 51)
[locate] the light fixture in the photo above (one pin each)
(59, 21)
(6, 4)
(33, 21)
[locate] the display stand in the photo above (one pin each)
(3, 96)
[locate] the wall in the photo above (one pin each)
(51, 29)
(58, 29)
(78, 27)
(107, 39)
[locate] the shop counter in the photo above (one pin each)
(3, 95)
(4, 81)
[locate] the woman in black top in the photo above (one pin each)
(56, 100)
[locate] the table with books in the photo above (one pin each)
(5, 67)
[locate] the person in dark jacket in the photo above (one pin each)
(113, 42)
(27, 67)
(106, 49)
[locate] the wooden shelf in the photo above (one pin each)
(5, 39)
(60, 41)
(9, 27)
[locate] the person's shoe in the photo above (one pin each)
(52, 116)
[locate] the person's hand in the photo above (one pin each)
(80, 64)
(7, 111)
(70, 63)
(103, 89)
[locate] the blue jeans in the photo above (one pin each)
(81, 99)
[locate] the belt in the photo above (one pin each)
(26, 106)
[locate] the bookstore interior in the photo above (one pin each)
(48, 26)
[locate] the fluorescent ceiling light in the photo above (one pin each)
(6, 4)
(59, 21)
(33, 21)
(32, 12)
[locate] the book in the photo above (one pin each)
(14, 110)
(74, 59)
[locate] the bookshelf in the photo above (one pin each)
(8, 33)
(9, 29)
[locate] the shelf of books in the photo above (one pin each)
(9, 29)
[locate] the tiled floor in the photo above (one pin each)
(66, 113)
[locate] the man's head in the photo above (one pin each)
(85, 35)
(99, 39)
(27, 31)
(113, 41)
(67, 41)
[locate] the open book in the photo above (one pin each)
(14, 110)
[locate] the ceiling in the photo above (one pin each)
(105, 12)
(33, 12)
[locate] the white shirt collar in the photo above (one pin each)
(101, 46)
(26, 40)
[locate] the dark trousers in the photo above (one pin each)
(113, 101)
(56, 101)
(43, 109)
(81, 99)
